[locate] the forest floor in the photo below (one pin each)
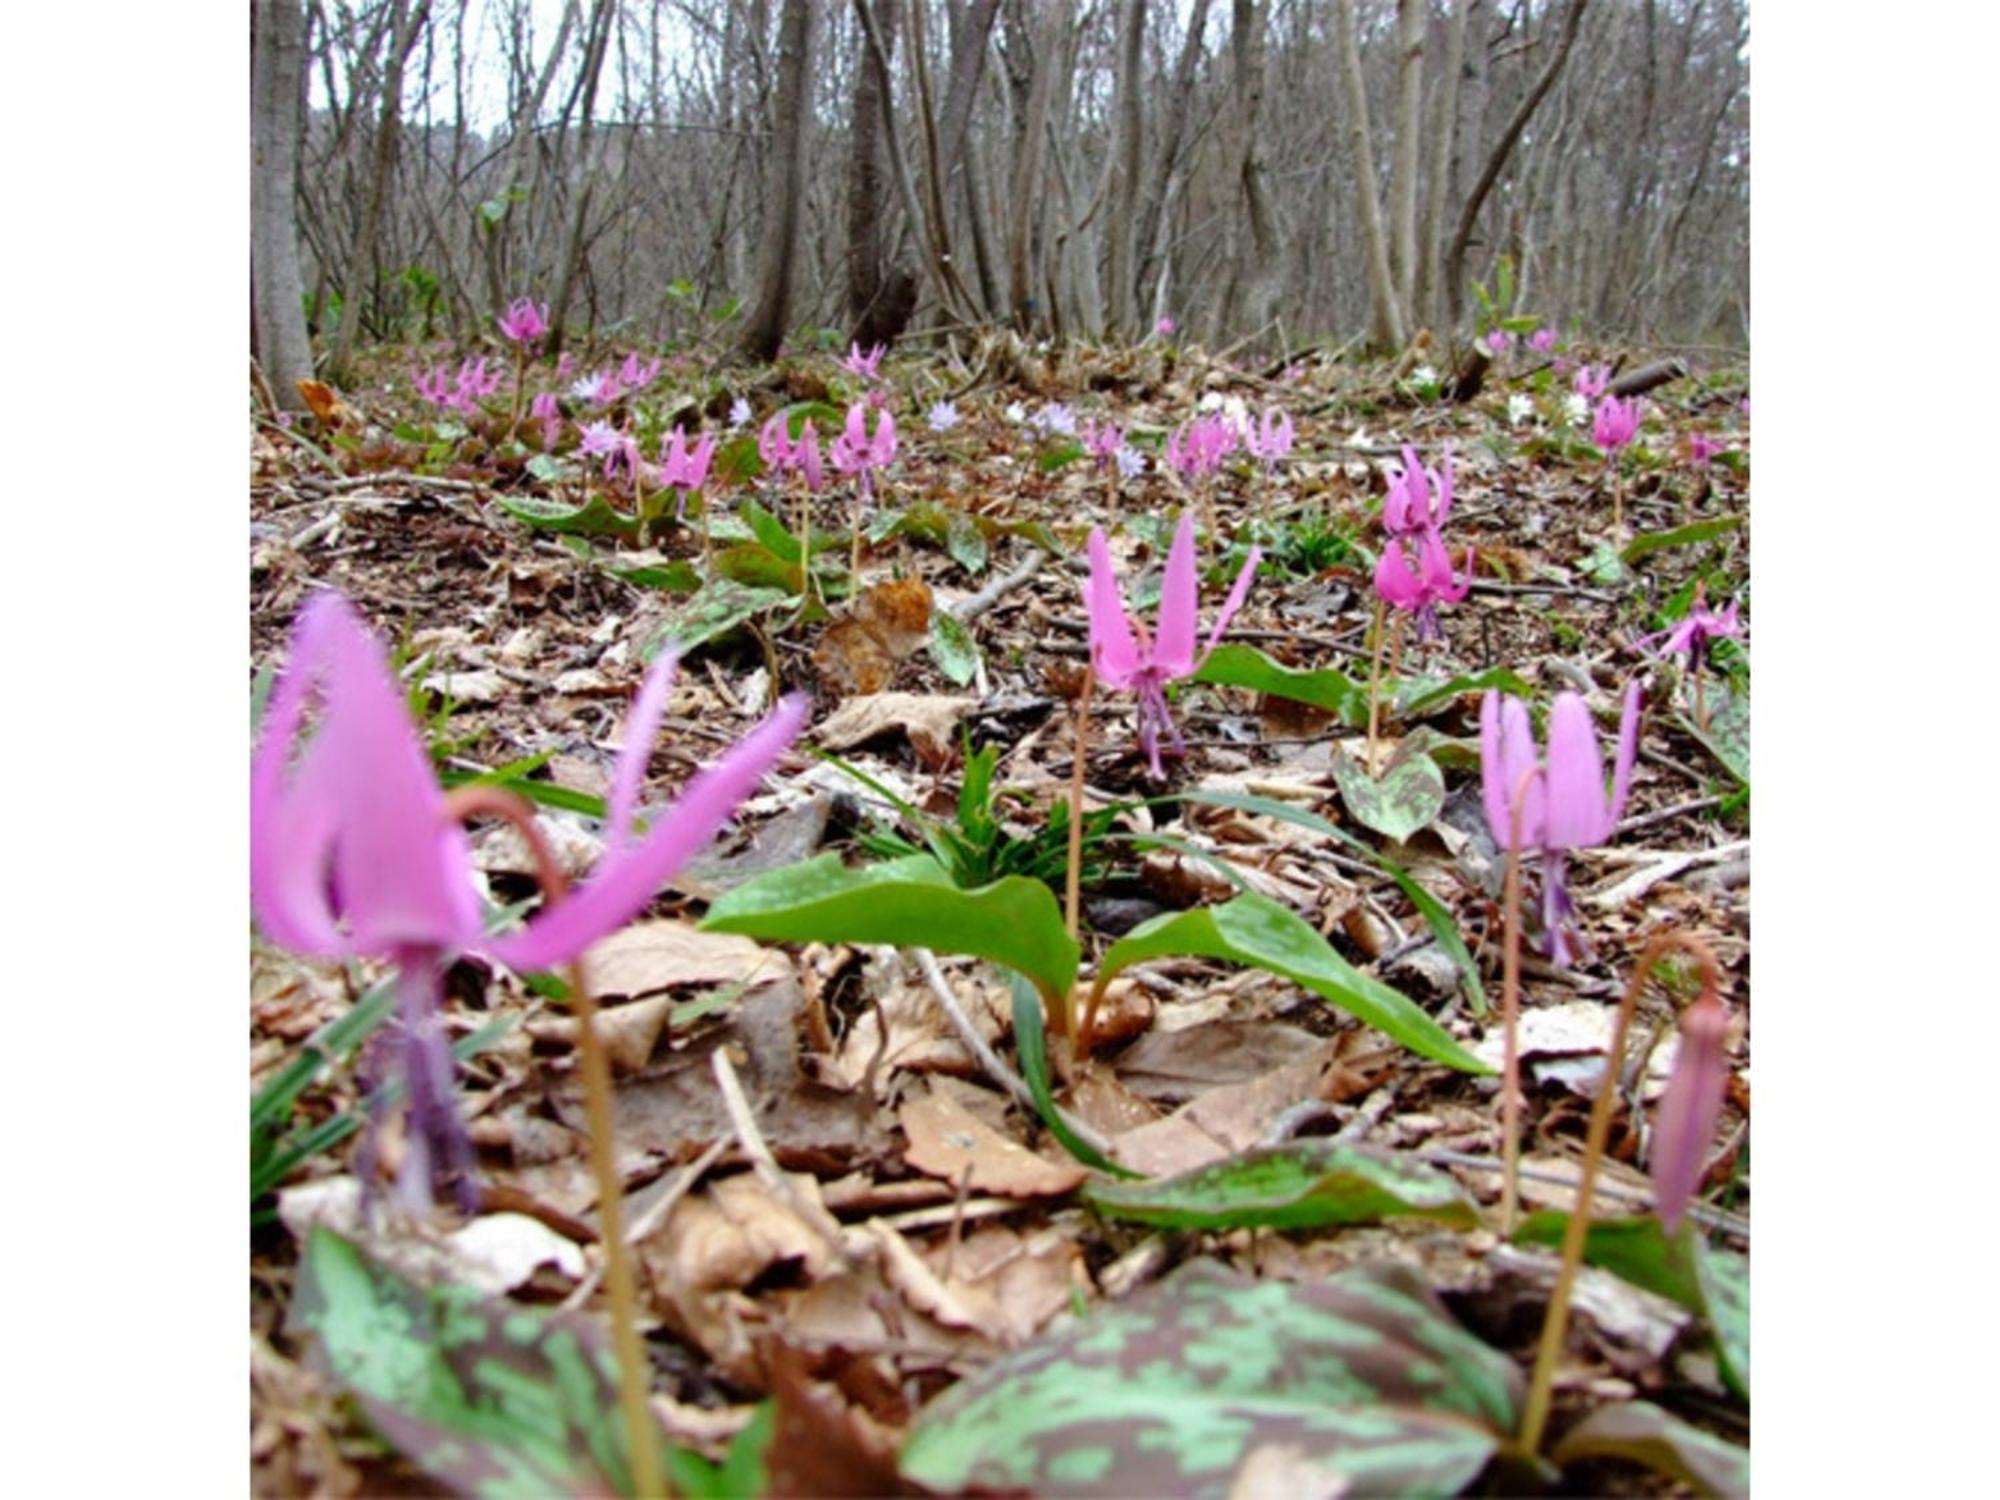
(962, 1227)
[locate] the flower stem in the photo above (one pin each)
(1535, 1413)
(1510, 1014)
(641, 1435)
(1700, 698)
(1375, 684)
(1073, 874)
(520, 384)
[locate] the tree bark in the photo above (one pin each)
(879, 299)
(597, 42)
(1444, 129)
(1027, 194)
(1120, 269)
(1385, 320)
(404, 27)
(277, 292)
(1173, 130)
(784, 187)
(1454, 268)
(1253, 283)
(1410, 18)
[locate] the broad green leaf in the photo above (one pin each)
(1031, 1041)
(953, 648)
(738, 461)
(550, 469)
(717, 608)
(1725, 1301)
(1443, 926)
(1253, 929)
(1681, 536)
(1727, 737)
(1605, 566)
(1060, 456)
(771, 531)
(1403, 799)
(756, 566)
(1304, 1185)
(594, 517)
(1643, 1433)
(1417, 696)
(491, 1399)
(962, 539)
(1171, 1390)
(676, 577)
(1237, 665)
(1634, 1249)
(911, 903)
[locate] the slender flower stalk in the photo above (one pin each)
(1713, 1072)
(1073, 870)
(854, 452)
(1126, 658)
(1613, 427)
(523, 324)
(1691, 638)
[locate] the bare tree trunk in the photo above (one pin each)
(277, 294)
(1027, 183)
(1120, 271)
(1410, 18)
(1454, 267)
(1153, 223)
(879, 300)
(597, 41)
(1385, 319)
(1253, 283)
(519, 143)
(1444, 129)
(784, 188)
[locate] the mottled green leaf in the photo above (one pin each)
(717, 608)
(1634, 1249)
(965, 543)
(738, 461)
(1416, 696)
(1727, 737)
(952, 647)
(755, 566)
(1236, 665)
(594, 517)
(1168, 1392)
(1302, 1185)
(491, 1399)
(549, 469)
(1645, 1434)
(1725, 1302)
(1403, 799)
(1253, 929)
(771, 531)
(676, 577)
(911, 903)
(1680, 536)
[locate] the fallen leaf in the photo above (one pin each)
(949, 1141)
(929, 720)
(649, 957)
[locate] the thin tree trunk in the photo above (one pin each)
(277, 294)
(1180, 97)
(784, 188)
(597, 42)
(1027, 194)
(404, 27)
(1454, 267)
(1410, 18)
(1122, 311)
(1444, 130)
(1385, 320)
(1253, 283)
(879, 299)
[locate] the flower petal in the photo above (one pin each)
(641, 725)
(1238, 591)
(292, 827)
(628, 879)
(1684, 1126)
(1393, 579)
(1173, 651)
(1628, 751)
(1506, 756)
(1577, 815)
(1113, 652)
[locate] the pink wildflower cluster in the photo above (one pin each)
(462, 392)
(1413, 515)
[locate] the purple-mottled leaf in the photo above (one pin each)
(1645, 1434)
(1303, 1185)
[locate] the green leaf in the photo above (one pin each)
(1605, 566)
(1031, 1041)
(330, 1044)
(1060, 456)
(717, 608)
(962, 539)
(1634, 1249)
(594, 517)
(549, 469)
(752, 565)
(911, 903)
(1643, 1433)
(1417, 696)
(1727, 737)
(1443, 926)
(738, 461)
(1171, 1390)
(953, 648)
(491, 1399)
(1253, 929)
(1237, 665)
(1681, 536)
(1725, 1301)
(676, 577)
(771, 531)
(1303, 1185)
(1405, 798)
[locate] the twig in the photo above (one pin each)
(1570, 590)
(1713, 1218)
(996, 1069)
(969, 609)
(1667, 814)
(766, 1165)
(394, 476)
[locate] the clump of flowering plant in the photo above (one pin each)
(1690, 638)
(462, 392)
(1613, 427)
(860, 455)
(524, 323)
(866, 365)
(1125, 657)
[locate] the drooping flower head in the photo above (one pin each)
(868, 366)
(524, 322)
(548, 411)
(1102, 441)
(1615, 424)
(1421, 589)
(1498, 342)
(1271, 438)
(1419, 498)
(1125, 657)
(1566, 807)
(1702, 449)
(1692, 634)
(635, 376)
(1684, 1125)
(1198, 447)
(684, 468)
(1542, 340)
(600, 388)
(855, 453)
(617, 449)
(353, 850)
(1590, 381)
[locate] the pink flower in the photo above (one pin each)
(1499, 341)
(854, 451)
(1684, 1127)
(1616, 423)
(353, 850)
(1198, 447)
(868, 366)
(1690, 637)
(1271, 438)
(634, 376)
(1126, 658)
(523, 322)
(1566, 807)
(602, 440)
(1419, 498)
(1164, 328)
(600, 388)
(1590, 381)
(548, 411)
(1701, 449)
(783, 455)
(683, 468)
(1429, 585)
(1542, 340)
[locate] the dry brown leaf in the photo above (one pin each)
(858, 652)
(649, 957)
(918, 1284)
(949, 1141)
(930, 720)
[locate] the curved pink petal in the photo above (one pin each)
(1394, 580)
(1577, 815)
(1506, 756)
(807, 456)
(1628, 752)
(292, 826)
(641, 725)
(1684, 1125)
(629, 879)
(1238, 592)
(1173, 650)
(1113, 652)
(1442, 477)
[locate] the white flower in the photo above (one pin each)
(943, 417)
(1056, 418)
(1211, 402)
(1576, 409)
(1016, 412)
(1130, 461)
(1519, 408)
(739, 412)
(1424, 375)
